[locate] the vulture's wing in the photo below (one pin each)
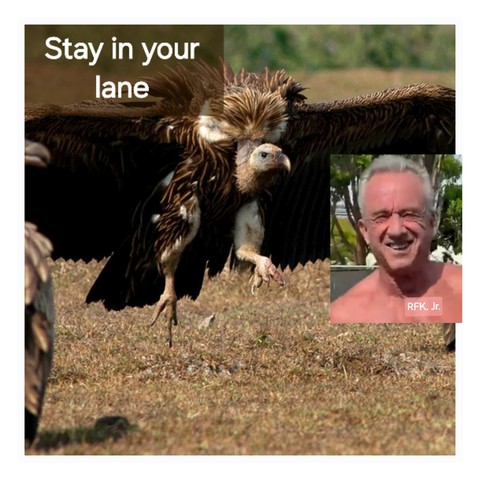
(105, 159)
(39, 309)
(39, 326)
(412, 119)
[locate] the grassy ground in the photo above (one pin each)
(271, 375)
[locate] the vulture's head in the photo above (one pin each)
(259, 166)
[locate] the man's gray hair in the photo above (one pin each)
(396, 163)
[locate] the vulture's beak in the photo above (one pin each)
(284, 163)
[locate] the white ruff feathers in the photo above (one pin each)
(211, 129)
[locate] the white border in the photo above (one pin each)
(465, 464)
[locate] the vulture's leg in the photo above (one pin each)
(178, 226)
(167, 303)
(249, 232)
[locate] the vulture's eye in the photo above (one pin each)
(264, 154)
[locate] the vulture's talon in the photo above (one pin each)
(265, 271)
(167, 304)
(257, 281)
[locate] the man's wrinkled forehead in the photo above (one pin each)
(394, 191)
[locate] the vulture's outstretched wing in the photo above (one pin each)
(410, 119)
(105, 159)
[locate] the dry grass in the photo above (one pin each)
(271, 375)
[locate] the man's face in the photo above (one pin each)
(396, 223)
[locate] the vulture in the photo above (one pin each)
(218, 167)
(449, 336)
(39, 310)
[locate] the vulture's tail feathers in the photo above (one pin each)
(117, 290)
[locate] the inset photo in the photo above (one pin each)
(396, 238)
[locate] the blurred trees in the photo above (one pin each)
(323, 47)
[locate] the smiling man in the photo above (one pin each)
(398, 223)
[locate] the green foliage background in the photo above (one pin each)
(323, 47)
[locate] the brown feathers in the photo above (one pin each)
(37, 248)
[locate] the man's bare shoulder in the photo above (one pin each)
(452, 274)
(351, 303)
(454, 271)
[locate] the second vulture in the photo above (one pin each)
(219, 164)
(39, 311)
